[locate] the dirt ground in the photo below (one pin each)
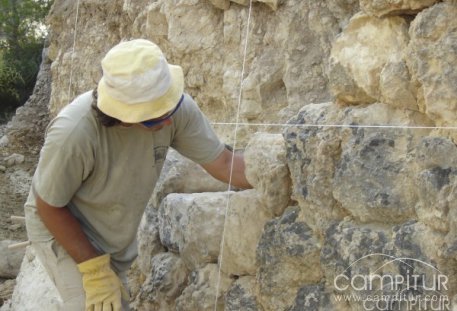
(11, 203)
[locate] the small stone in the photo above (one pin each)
(2, 169)
(4, 141)
(14, 159)
(14, 227)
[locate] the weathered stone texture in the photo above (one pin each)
(164, 283)
(360, 53)
(431, 58)
(267, 171)
(288, 258)
(364, 188)
(245, 220)
(34, 289)
(284, 63)
(397, 7)
(180, 226)
(241, 296)
(401, 251)
(11, 259)
(202, 290)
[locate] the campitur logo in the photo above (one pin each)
(396, 283)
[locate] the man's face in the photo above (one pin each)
(157, 123)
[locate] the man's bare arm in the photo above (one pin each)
(66, 230)
(220, 169)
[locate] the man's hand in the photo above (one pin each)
(221, 168)
(103, 288)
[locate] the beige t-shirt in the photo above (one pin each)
(105, 175)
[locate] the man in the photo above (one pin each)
(100, 161)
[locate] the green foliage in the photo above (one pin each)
(22, 35)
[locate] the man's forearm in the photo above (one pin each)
(221, 168)
(67, 231)
(238, 173)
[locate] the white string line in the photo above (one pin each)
(221, 252)
(336, 125)
(73, 51)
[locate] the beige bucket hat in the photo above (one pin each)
(138, 84)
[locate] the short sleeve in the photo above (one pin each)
(62, 167)
(194, 137)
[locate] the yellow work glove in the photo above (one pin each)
(102, 286)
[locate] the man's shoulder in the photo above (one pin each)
(75, 122)
(78, 108)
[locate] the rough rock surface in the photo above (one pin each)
(266, 170)
(360, 53)
(430, 59)
(241, 296)
(398, 7)
(244, 223)
(34, 289)
(180, 226)
(288, 258)
(164, 283)
(202, 293)
(11, 259)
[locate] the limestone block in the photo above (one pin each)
(267, 172)
(34, 289)
(164, 283)
(373, 179)
(381, 8)
(201, 293)
(287, 258)
(360, 53)
(396, 87)
(311, 154)
(318, 157)
(192, 225)
(244, 224)
(436, 182)
(314, 297)
(430, 57)
(242, 296)
(148, 239)
(181, 175)
(352, 251)
(273, 4)
(11, 259)
(221, 4)
(264, 91)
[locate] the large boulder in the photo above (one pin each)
(267, 171)
(205, 291)
(360, 53)
(192, 225)
(288, 258)
(245, 220)
(34, 289)
(430, 56)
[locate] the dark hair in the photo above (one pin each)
(104, 119)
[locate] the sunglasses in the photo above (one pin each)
(152, 122)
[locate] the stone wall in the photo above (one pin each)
(354, 195)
